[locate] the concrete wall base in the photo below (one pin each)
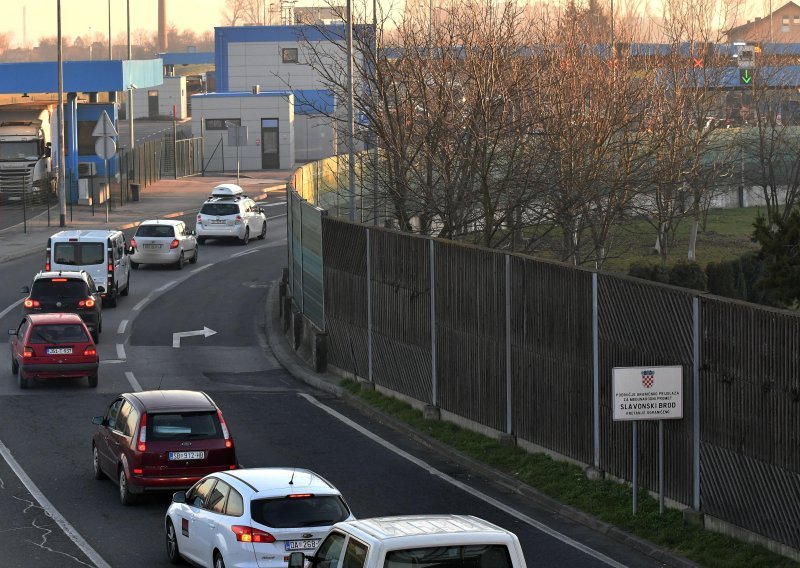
(594, 474)
(430, 412)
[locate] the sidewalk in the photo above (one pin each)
(165, 198)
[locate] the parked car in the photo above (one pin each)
(66, 291)
(163, 241)
(251, 517)
(457, 541)
(160, 440)
(49, 346)
(228, 213)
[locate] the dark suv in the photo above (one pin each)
(160, 440)
(66, 291)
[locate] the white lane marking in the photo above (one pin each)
(120, 351)
(132, 380)
(141, 303)
(122, 325)
(111, 361)
(238, 254)
(276, 217)
(51, 511)
(165, 286)
(196, 270)
(9, 308)
(466, 488)
(272, 204)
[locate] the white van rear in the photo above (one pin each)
(102, 253)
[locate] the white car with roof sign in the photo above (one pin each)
(228, 213)
(252, 518)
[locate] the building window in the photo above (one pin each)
(219, 123)
(796, 20)
(785, 28)
(289, 55)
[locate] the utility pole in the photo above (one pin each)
(62, 186)
(130, 87)
(109, 31)
(351, 127)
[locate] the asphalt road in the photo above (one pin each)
(45, 432)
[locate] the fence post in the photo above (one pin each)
(369, 308)
(696, 402)
(434, 383)
(596, 371)
(509, 399)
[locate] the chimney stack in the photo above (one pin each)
(162, 26)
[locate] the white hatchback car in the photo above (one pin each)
(251, 517)
(163, 241)
(228, 213)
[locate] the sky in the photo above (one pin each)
(82, 17)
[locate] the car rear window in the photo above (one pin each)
(58, 333)
(219, 209)
(494, 555)
(155, 231)
(296, 512)
(182, 425)
(79, 254)
(56, 288)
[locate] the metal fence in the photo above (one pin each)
(526, 347)
(158, 159)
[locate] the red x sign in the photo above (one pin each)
(698, 62)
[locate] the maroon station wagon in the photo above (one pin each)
(160, 440)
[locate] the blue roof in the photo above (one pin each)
(80, 76)
(187, 58)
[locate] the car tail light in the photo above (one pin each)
(174, 244)
(300, 495)
(137, 471)
(47, 260)
(133, 243)
(58, 280)
(238, 219)
(90, 351)
(225, 433)
(110, 269)
(249, 534)
(27, 352)
(141, 445)
(87, 303)
(28, 303)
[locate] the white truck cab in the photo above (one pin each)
(101, 253)
(452, 541)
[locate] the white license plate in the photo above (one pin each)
(302, 544)
(59, 350)
(152, 246)
(218, 222)
(187, 455)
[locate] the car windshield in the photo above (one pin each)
(296, 512)
(78, 254)
(220, 209)
(155, 231)
(58, 333)
(182, 425)
(56, 288)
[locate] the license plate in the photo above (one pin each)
(218, 222)
(59, 350)
(302, 544)
(187, 455)
(152, 246)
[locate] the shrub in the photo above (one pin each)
(688, 275)
(722, 280)
(654, 272)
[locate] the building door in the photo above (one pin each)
(152, 104)
(270, 148)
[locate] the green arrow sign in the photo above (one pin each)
(745, 77)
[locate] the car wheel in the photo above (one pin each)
(181, 262)
(135, 265)
(173, 554)
(98, 472)
(246, 238)
(93, 380)
(14, 366)
(23, 380)
(196, 254)
(218, 561)
(263, 233)
(125, 495)
(201, 240)
(127, 285)
(111, 300)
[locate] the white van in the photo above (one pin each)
(457, 541)
(101, 253)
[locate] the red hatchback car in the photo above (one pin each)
(56, 345)
(160, 440)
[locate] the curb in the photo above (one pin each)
(330, 384)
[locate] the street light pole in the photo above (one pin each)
(350, 114)
(62, 189)
(109, 31)
(130, 87)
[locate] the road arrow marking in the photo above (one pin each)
(176, 337)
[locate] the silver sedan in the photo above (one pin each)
(163, 241)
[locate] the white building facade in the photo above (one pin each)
(160, 101)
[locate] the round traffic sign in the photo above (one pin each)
(105, 147)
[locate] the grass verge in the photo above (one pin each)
(605, 500)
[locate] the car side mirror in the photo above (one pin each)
(97, 420)
(101, 289)
(25, 290)
(130, 250)
(179, 497)
(296, 560)
(12, 332)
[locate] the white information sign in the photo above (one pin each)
(647, 393)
